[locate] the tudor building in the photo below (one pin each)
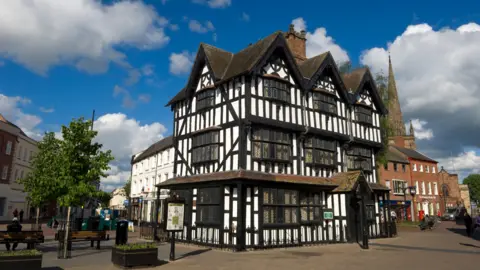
(267, 142)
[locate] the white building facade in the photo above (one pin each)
(150, 167)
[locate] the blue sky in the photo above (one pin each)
(69, 92)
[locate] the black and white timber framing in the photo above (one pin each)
(241, 125)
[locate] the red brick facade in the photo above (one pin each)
(6, 160)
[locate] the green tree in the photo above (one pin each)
(41, 183)
(473, 182)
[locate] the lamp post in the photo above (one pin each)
(413, 191)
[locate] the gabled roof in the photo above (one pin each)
(161, 145)
(414, 154)
(354, 82)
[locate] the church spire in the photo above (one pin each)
(395, 115)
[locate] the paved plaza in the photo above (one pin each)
(444, 248)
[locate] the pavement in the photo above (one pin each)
(446, 247)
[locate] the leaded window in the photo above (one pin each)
(271, 144)
(205, 147)
(359, 158)
(280, 206)
(208, 206)
(318, 151)
(277, 90)
(205, 99)
(310, 207)
(325, 103)
(363, 114)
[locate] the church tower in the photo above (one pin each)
(398, 136)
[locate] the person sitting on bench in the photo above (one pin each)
(14, 227)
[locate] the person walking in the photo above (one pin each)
(21, 215)
(14, 227)
(468, 223)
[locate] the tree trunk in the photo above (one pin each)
(65, 246)
(36, 220)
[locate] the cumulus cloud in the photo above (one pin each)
(83, 33)
(11, 107)
(319, 42)
(181, 63)
(214, 3)
(198, 27)
(437, 79)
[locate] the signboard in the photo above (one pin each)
(175, 214)
(327, 215)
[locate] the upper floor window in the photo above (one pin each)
(363, 114)
(324, 103)
(275, 89)
(271, 144)
(204, 147)
(318, 151)
(359, 158)
(8, 150)
(205, 99)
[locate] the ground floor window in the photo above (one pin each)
(310, 207)
(208, 206)
(280, 206)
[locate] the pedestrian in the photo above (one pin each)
(394, 216)
(15, 213)
(14, 227)
(21, 216)
(468, 223)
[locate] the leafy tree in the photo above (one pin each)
(473, 182)
(41, 183)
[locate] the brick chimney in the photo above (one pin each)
(296, 43)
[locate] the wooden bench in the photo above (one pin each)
(80, 236)
(28, 237)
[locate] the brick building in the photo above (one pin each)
(420, 171)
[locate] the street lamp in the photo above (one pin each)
(413, 191)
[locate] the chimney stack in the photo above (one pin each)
(296, 42)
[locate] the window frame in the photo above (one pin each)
(324, 102)
(276, 90)
(214, 205)
(267, 141)
(364, 114)
(320, 147)
(205, 99)
(208, 150)
(277, 207)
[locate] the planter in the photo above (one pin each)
(17, 260)
(134, 257)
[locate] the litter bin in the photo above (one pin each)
(121, 235)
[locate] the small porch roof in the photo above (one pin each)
(340, 182)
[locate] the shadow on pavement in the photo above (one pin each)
(469, 245)
(426, 249)
(194, 253)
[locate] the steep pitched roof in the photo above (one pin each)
(155, 148)
(414, 154)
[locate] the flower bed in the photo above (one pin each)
(21, 259)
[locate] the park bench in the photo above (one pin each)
(28, 237)
(80, 236)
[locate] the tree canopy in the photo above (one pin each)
(68, 169)
(473, 182)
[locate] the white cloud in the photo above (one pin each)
(40, 34)
(197, 27)
(12, 109)
(181, 63)
(245, 17)
(420, 129)
(318, 42)
(214, 3)
(46, 110)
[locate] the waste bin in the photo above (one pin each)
(93, 223)
(121, 235)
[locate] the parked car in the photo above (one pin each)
(450, 214)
